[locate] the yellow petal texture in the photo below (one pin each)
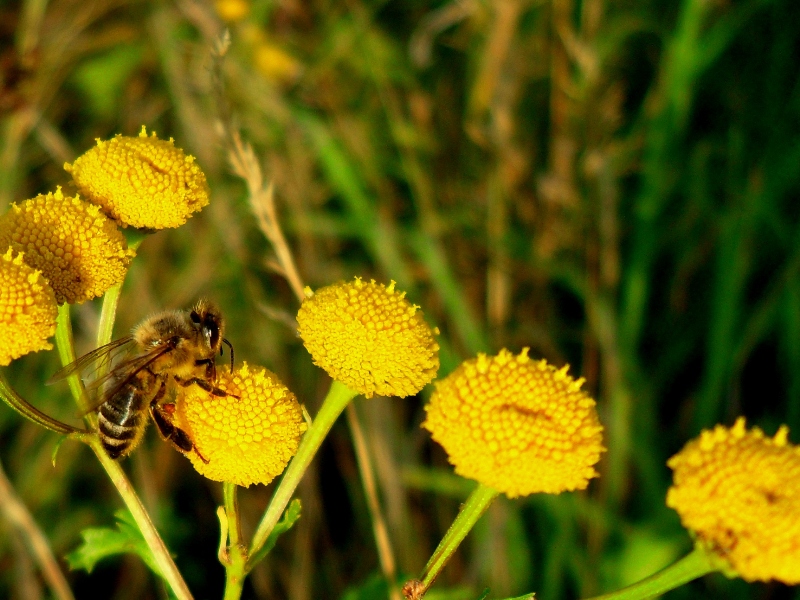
(739, 491)
(517, 425)
(141, 181)
(79, 250)
(28, 309)
(246, 440)
(369, 337)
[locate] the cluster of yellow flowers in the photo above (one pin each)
(521, 426)
(271, 59)
(62, 249)
(76, 246)
(516, 425)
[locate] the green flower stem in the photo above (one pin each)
(66, 352)
(30, 412)
(336, 401)
(693, 565)
(108, 313)
(472, 510)
(161, 555)
(236, 554)
(169, 571)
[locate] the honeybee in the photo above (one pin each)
(165, 353)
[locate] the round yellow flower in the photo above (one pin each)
(739, 491)
(516, 425)
(27, 309)
(141, 181)
(79, 250)
(232, 11)
(369, 337)
(249, 439)
(275, 63)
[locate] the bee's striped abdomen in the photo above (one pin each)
(123, 418)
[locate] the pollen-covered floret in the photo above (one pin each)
(369, 337)
(517, 425)
(27, 309)
(141, 181)
(249, 439)
(739, 491)
(79, 250)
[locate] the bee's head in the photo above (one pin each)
(208, 320)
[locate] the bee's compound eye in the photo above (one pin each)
(194, 316)
(211, 330)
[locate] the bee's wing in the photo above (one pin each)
(121, 375)
(92, 361)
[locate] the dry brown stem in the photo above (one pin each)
(17, 514)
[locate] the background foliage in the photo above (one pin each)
(612, 183)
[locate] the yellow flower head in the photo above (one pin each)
(141, 181)
(79, 250)
(739, 491)
(517, 425)
(275, 63)
(369, 337)
(232, 11)
(27, 309)
(249, 439)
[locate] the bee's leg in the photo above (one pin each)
(211, 368)
(215, 391)
(162, 416)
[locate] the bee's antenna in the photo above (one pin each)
(224, 341)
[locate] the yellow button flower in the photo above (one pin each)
(369, 337)
(141, 181)
(275, 63)
(27, 309)
(79, 250)
(232, 11)
(516, 425)
(739, 491)
(246, 440)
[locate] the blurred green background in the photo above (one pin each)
(613, 184)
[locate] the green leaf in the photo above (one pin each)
(56, 449)
(290, 517)
(102, 542)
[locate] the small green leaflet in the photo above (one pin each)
(290, 517)
(530, 596)
(56, 449)
(101, 542)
